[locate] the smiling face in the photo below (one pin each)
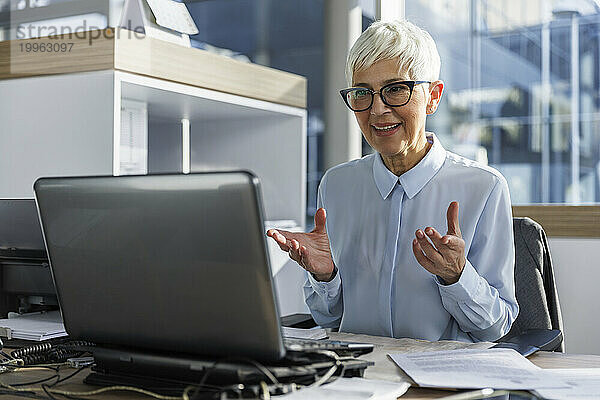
(396, 132)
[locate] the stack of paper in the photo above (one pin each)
(476, 369)
(297, 333)
(35, 326)
(498, 369)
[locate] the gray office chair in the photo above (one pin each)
(539, 320)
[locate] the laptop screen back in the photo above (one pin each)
(164, 262)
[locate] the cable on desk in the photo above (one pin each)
(55, 376)
(331, 370)
(44, 388)
(265, 389)
(113, 389)
(6, 368)
(48, 352)
(264, 370)
(254, 363)
(29, 395)
(16, 389)
(50, 391)
(38, 348)
(70, 375)
(12, 363)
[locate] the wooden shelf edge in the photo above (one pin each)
(132, 52)
(564, 220)
(62, 54)
(206, 70)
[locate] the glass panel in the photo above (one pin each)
(523, 94)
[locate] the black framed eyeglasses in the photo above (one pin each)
(395, 94)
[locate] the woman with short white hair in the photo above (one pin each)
(395, 257)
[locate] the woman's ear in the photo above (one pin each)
(436, 89)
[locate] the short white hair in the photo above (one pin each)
(414, 47)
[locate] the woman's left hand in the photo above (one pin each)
(446, 256)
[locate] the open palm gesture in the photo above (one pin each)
(310, 250)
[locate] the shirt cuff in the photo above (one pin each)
(326, 289)
(466, 286)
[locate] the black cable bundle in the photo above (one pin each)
(47, 353)
(31, 350)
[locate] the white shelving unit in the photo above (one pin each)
(65, 120)
(226, 132)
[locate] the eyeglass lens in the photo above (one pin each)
(394, 95)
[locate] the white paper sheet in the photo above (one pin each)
(350, 389)
(475, 369)
(297, 333)
(585, 384)
(35, 326)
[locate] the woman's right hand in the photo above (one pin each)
(310, 250)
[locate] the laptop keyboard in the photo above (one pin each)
(337, 346)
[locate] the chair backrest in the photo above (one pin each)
(534, 280)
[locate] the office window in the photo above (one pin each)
(522, 91)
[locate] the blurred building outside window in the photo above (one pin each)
(522, 91)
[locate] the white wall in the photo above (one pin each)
(54, 126)
(577, 269)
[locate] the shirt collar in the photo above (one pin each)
(413, 180)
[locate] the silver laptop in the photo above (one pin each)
(174, 263)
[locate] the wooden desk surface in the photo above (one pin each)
(384, 368)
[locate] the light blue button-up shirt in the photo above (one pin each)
(381, 289)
